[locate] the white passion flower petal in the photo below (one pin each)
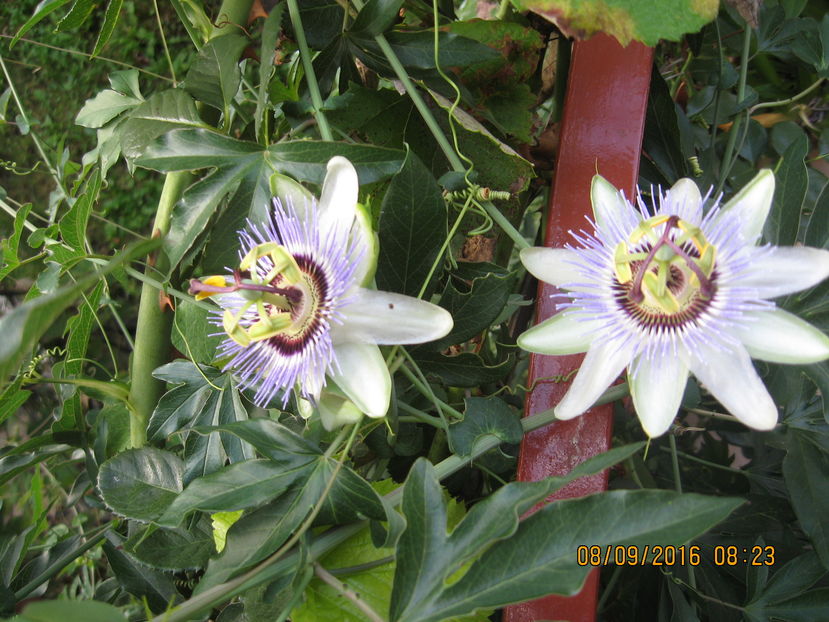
(684, 200)
(564, 333)
(778, 336)
(750, 206)
(384, 318)
(779, 270)
(656, 386)
(612, 212)
(730, 377)
(363, 377)
(339, 195)
(601, 366)
(557, 266)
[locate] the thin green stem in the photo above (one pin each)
(345, 591)
(505, 224)
(728, 155)
(417, 100)
(308, 65)
(164, 43)
(675, 464)
(419, 416)
(13, 213)
(421, 385)
(86, 55)
(710, 464)
(678, 487)
(790, 100)
(443, 248)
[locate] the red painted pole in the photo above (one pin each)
(602, 126)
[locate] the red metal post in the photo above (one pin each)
(602, 126)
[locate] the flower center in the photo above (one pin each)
(289, 299)
(665, 272)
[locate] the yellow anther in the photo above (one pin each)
(283, 263)
(708, 256)
(274, 325)
(230, 323)
(214, 281)
(621, 261)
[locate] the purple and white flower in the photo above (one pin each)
(298, 309)
(672, 291)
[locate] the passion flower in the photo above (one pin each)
(667, 291)
(296, 310)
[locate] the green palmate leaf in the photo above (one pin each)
(215, 76)
(245, 169)
(73, 224)
(626, 20)
(305, 160)
(530, 559)
(235, 487)
(500, 85)
(160, 113)
(70, 611)
(126, 83)
(463, 370)
(792, 181)
(172, 549)
(270, 36)
(484, 416)
(15, 463)
(416, 52)
(111, 15)
(192, 333)
(259, 533)
(473, 311)
(371, 576)
(10, 244)
(80, 330)
(104, 107)
(204, 398)
(144, 583)
(789, 582)
(351, 498)
(206, 453)
(412, 229)
(141, 483)
(275, 441)
(427, 555)
(24, 324)
(817, 231)
(806, 471)
(12, 398)
(385, 118)
(666, 142)
(184, 372)
(376, 17)
(44, 8)
(498, 166)
(818, 373)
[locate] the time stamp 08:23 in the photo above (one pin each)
(657, 555)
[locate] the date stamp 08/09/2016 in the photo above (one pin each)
(659, 555)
